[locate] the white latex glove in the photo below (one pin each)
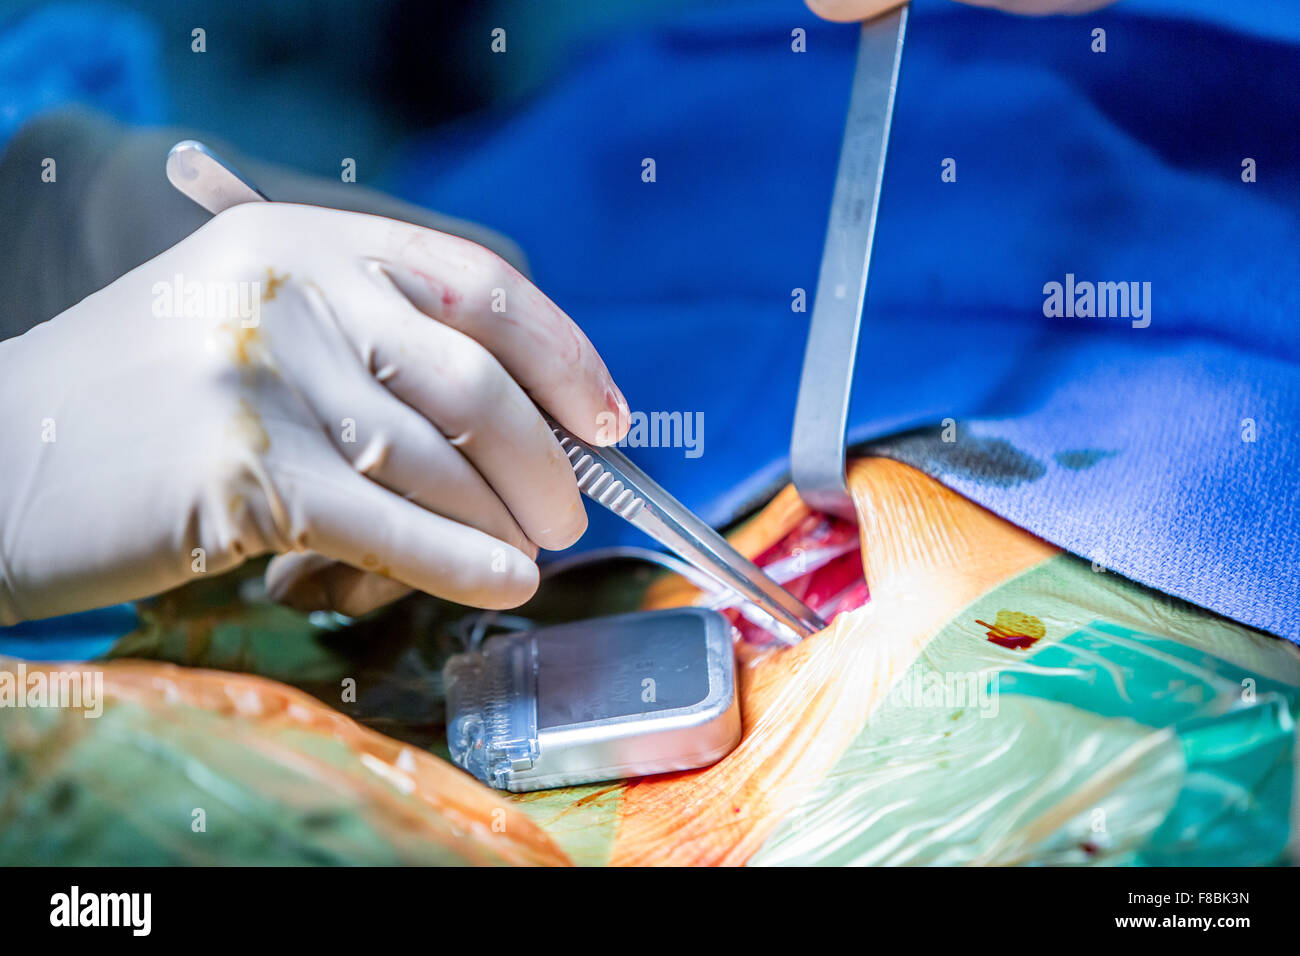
(378, 413)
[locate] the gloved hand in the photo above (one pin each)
(848, 10)
(290, 378)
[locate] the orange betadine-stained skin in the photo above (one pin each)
(927, 553)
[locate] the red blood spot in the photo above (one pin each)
(1013, 641)
(1004, 638)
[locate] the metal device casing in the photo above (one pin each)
(589, 721)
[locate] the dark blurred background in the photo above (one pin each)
(304, 82)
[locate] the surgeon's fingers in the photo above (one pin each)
(405, 453)
(344, 516)
(459, 385)
(384, 438)
(475, 291)
(844, 11)
(537, 343)
(307, 581)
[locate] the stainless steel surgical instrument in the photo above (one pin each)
(604, 474)
(817, 453)
(607, 476)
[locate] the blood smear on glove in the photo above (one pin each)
(819, 562)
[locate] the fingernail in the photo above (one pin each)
(525, 577)
(617, 405)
